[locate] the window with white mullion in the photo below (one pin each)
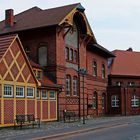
(115, 101)
(44, 94)
(75, 86)
(8, 91)
(30, 92)
(68, 85)
(135, 101)
(19, 91)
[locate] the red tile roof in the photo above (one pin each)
(35, 65)
(46, 81)
(5, 42)
(126, 63)
(36, 18)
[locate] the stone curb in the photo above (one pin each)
(77, 132)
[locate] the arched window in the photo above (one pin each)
(135, 101)
(42, 55)
(75, 86)
(67, 53)
(94, 67)
(95, 100)
(68, 85)
(75, 56)
(103, 100)
(103, 71)
(115, 101)
(71, 54)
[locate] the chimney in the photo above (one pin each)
(9, 18)
(130, 50)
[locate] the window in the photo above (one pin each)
(39, 75)
(67, 53)
(95, 102)
(103, 71)
(19, 91)
(94, 65)
(52, 95)
(119, 83)
(30, 92)
(44, 94)
(130, 83)
(42, 55)
(135, 101)
(38, 94)
(115, 101)
(68, 85)
(71, 54)
(75, 86)
(75, 56)
(8, 91)
(103, 101)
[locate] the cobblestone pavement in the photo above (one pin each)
(51, 128)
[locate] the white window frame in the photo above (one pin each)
(75, 86)
(53, 94)
(6, 90)
(68, 85)
(103, 101)
(45, 97)
(103, 71)
(134, 101)
(30, 88)
(114, 101)
(37, 93)
(94, 67)
(20, 91)
(95, 101)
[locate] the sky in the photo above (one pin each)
(115, 24)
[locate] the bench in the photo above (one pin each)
(26, 120)
(69, 115)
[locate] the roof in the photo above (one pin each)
(5, 42)
(126, 63)
(36, 18)
(46, 82)
(100, 50)
(35, 65)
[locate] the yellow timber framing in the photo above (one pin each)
(49, 106)
(15, 82)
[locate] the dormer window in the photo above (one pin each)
(38, 74)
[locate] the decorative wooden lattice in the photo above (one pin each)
(14, 66)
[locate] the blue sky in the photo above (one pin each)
(115, 24)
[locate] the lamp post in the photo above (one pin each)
(83, 73)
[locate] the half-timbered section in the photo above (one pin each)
(20, 91)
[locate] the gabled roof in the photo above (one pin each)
(6, 42)
(36, 18)
(126, 63)
(100, 50)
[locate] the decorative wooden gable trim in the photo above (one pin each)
(68, 20)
